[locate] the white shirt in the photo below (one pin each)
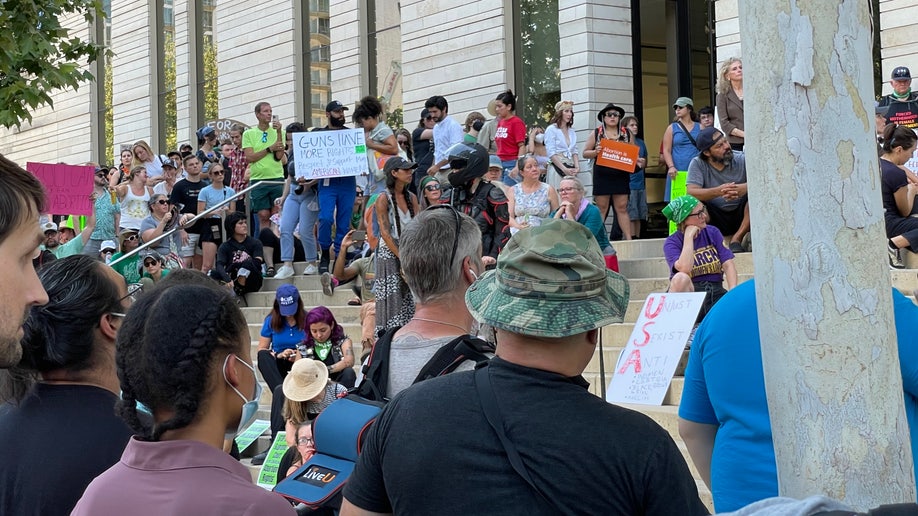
(446, 133)
(556, 144)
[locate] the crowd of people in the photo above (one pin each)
(457, 230)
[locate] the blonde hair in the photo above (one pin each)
(577, 183)
(723, 84)
(295, 411)
(136, 169)
(145, 146)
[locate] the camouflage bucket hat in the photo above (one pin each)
(550, 281)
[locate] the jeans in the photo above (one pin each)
(508, 166)
(297, 209)
(336, 202)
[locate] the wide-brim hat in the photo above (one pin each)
(611, 107)
(492, 107)
(306, 379)
(551, 281)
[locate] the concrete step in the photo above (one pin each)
(642, 287)
(643, 248)
(344, 314)
(655, 267)
(311, 298)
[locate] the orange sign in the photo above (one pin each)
(618, 155)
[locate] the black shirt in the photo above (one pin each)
(423, 150)
(185, 194)
(433, 452)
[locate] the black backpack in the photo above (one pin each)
(375, 382)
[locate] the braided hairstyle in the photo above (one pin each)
(169, 352)
(60, 334)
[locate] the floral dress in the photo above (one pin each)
(530, 208)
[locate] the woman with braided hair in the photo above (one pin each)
(184, 352)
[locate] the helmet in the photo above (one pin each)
(467, 161)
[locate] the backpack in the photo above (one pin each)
(375, 383)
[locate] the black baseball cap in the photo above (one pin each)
(900, 73)
(398, 163)
(707, 138)
(335, 106)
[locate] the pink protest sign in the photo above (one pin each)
(68, 187)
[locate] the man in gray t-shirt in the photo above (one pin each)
(717, 177)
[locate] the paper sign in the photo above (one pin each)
(677, 188)
(322, 154)
(267, 477)
(68, 187)
(646, 366)
(618, 155)
(253, 432)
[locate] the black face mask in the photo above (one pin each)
(335, 122)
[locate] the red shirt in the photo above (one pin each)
(511, 132)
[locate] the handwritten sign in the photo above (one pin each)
(253, 432)
(322, 154)
(222, 126)
(677, 188)
(68, 187)
(646, 366)
(618, 155)
(267, 477)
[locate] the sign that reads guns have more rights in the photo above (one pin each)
(323, 154)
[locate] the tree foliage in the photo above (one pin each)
(38, 55)
(540, 61)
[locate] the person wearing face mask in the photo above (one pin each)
(184, 352)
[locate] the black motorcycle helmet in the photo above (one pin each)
(467, 161)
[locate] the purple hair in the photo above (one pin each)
(321, 314)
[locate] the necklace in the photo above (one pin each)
(464, 330)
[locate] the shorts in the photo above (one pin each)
(212, 231)
(262, 198)
(637, 205)
(189, 250)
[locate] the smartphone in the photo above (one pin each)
(359, 236)
(275, 118)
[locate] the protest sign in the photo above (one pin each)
(646, 366)
(222, 126)
(253, 432)
(677, 188)
(323, 154)
(267, 477)
(618, 155)
(68, 187)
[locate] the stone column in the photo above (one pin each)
(822, 283)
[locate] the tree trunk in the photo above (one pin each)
(822, 283)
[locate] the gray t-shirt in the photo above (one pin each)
(701, 173)
(408, 355)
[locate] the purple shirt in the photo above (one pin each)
(710, 254)
(177, 477)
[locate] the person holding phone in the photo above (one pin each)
(264, 151)
(365, 268)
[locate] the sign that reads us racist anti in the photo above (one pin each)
(322, 154)
(646, 366)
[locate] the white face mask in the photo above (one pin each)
(249, 407)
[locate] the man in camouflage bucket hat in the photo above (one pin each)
(435, 448)
(550, 282)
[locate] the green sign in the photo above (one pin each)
(253, 432)
(267, 477)
(678, 190)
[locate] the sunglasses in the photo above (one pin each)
(428, 118)
(432, 188)
(130, 238)
(149, 263)
(161, 201)
(264, 137)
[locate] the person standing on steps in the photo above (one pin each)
(336, 195)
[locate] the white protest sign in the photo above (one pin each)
(646, 366)
(322, 154)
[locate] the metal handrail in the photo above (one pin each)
(196, 218)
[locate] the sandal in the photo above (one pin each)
(270, 272)
(354, 302)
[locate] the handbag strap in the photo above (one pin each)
(492, 414)
(687, 133)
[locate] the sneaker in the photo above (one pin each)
(284, 272)
(310, 269)
(736, 247)
(328, 283)
(259, 459)
(895, 256)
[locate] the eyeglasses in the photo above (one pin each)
(698, 213)
(161, 201)
(305, 440)
(432, 188)
(133, 291)
(564, 190)
(452, 255)
(149, 263)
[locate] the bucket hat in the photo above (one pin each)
(306, 379)
(550, 281)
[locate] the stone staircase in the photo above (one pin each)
(641, 261)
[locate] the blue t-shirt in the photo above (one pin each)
(287, 338)
(725, 386)
(637, 178)
(212, 196)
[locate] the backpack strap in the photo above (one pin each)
(375, 382)
(454, 353)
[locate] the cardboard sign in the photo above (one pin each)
(323, 154)
(267, 477)
(68, 187)
(677, 188)
(618, 155)
(648, 362)
(222, 127)
(250, 434)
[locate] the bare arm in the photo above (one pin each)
(668, 151)
(706, 194)
(589, 148)
(553, 199)
(730, 274)
(385, 232)
(699, 440)
(687, 258)
(388, 146)
(905, 199)
(341, 272)
(264, 343)
(511, 208)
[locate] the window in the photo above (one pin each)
(319, 26)
(318, 6)
(321, 54)
(538, 58)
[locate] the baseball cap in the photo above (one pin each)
(287, 296)
(48, 226)
(398, 162)
(680, 208)
(65, 224)
(551, 281)
(170, 163)
(901, 73)
(205, 131)
(335, 106)
(707, 137)
(683, 101)
(494, 162)
(108, 244)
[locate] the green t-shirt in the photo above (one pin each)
(128, 269)
(258, 140)
(74, 246)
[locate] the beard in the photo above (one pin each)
(726, 158)
(336, 122)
